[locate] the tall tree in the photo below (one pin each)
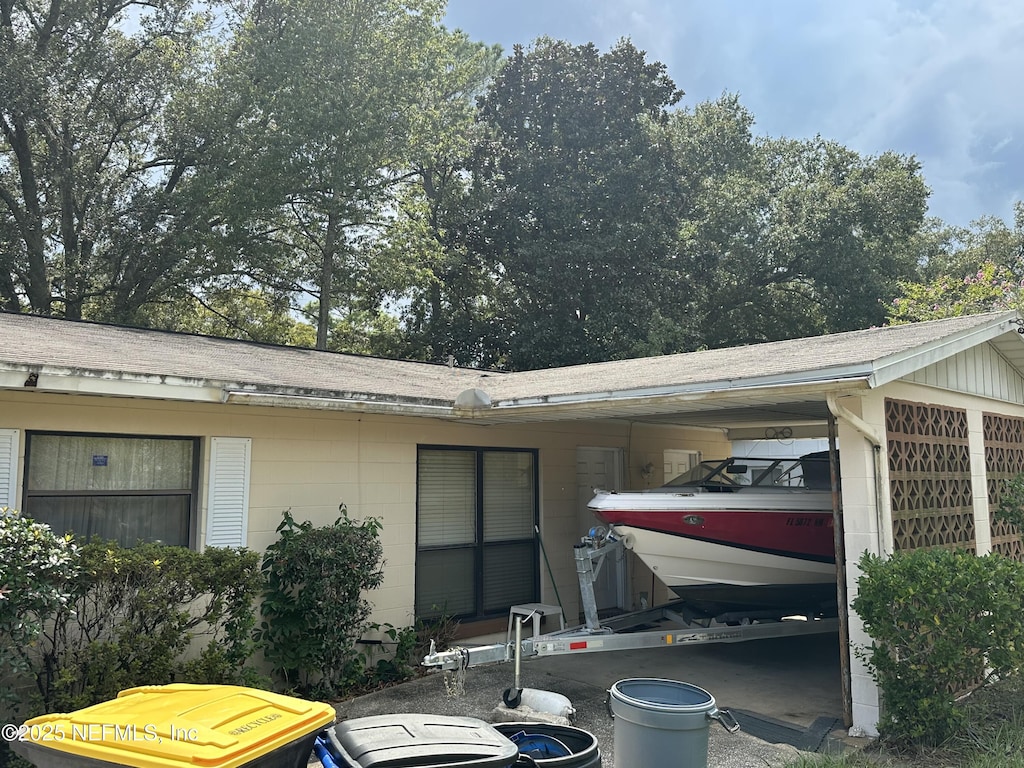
(966, 270)
(576, 201)
(422, 272)
(338, 95)
(83, 167)
(787, 238)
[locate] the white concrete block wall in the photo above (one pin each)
(862, 525)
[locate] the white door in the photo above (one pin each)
(678, 461)
(602, 468)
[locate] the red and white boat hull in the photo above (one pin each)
(729, 548)
(683, 562)
(722, 577)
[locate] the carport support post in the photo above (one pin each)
(839, 539)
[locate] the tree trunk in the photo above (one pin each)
(323, 323)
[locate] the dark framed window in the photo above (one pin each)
(476, 543)
(125, 488)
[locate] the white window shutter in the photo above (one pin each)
(9, 468)
(227, 519)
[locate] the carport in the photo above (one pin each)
(929, 417)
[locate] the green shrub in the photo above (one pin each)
(314, 610)
(943, 623)
(1011, 506)
(36, 567)
(148, 615)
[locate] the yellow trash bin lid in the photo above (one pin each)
(220, 726)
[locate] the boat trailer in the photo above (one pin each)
(670, 624)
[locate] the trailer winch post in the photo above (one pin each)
(590, 554)
(585, 573)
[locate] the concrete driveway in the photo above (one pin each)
(784, 690)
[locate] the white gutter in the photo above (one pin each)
(591, 403)
(855, 421)
(349, 404)
(833, 376)
(64, 381)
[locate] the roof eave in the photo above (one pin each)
(108, 384)
(615, 405)
(901, 364)
(351, 403)
(817, 378)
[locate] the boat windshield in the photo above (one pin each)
(810, 471)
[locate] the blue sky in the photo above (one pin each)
(939, 80)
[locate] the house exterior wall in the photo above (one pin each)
(311, 461)
(868, 525)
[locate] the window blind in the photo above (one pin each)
(446, 488)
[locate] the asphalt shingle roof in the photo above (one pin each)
(89, 347)
(117, 352)
(815, 357)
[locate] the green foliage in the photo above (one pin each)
(942, 622)
(37, 569)
(325, 125)
(1011, 502)
(139, 616)
(786, 238)
(575, 202)
(314, 611)
(991, 288)
(234, 313)
(89, 179)
(398, 662)
(965, 270)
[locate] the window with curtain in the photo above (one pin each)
(126, 489)
(476, 545)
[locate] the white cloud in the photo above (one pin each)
(935, 79)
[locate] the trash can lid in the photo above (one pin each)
(169, 726)
(397, 741)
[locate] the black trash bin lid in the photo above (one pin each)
(434, 741)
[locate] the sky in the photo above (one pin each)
(941, 80)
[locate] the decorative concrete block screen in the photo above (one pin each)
(929, 476)
(1004, 458)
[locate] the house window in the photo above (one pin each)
(476, 543)
(123, 488)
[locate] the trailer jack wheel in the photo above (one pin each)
(512, 700)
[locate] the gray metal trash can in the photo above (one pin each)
(663, 723)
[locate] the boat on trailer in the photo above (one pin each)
(737, 537)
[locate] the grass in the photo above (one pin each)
(994, 739)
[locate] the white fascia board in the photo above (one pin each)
(902, 364)
(813, 380)
(111, 384)
(610, 401)
(349, 404)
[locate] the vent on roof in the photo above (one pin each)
(473, 399)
